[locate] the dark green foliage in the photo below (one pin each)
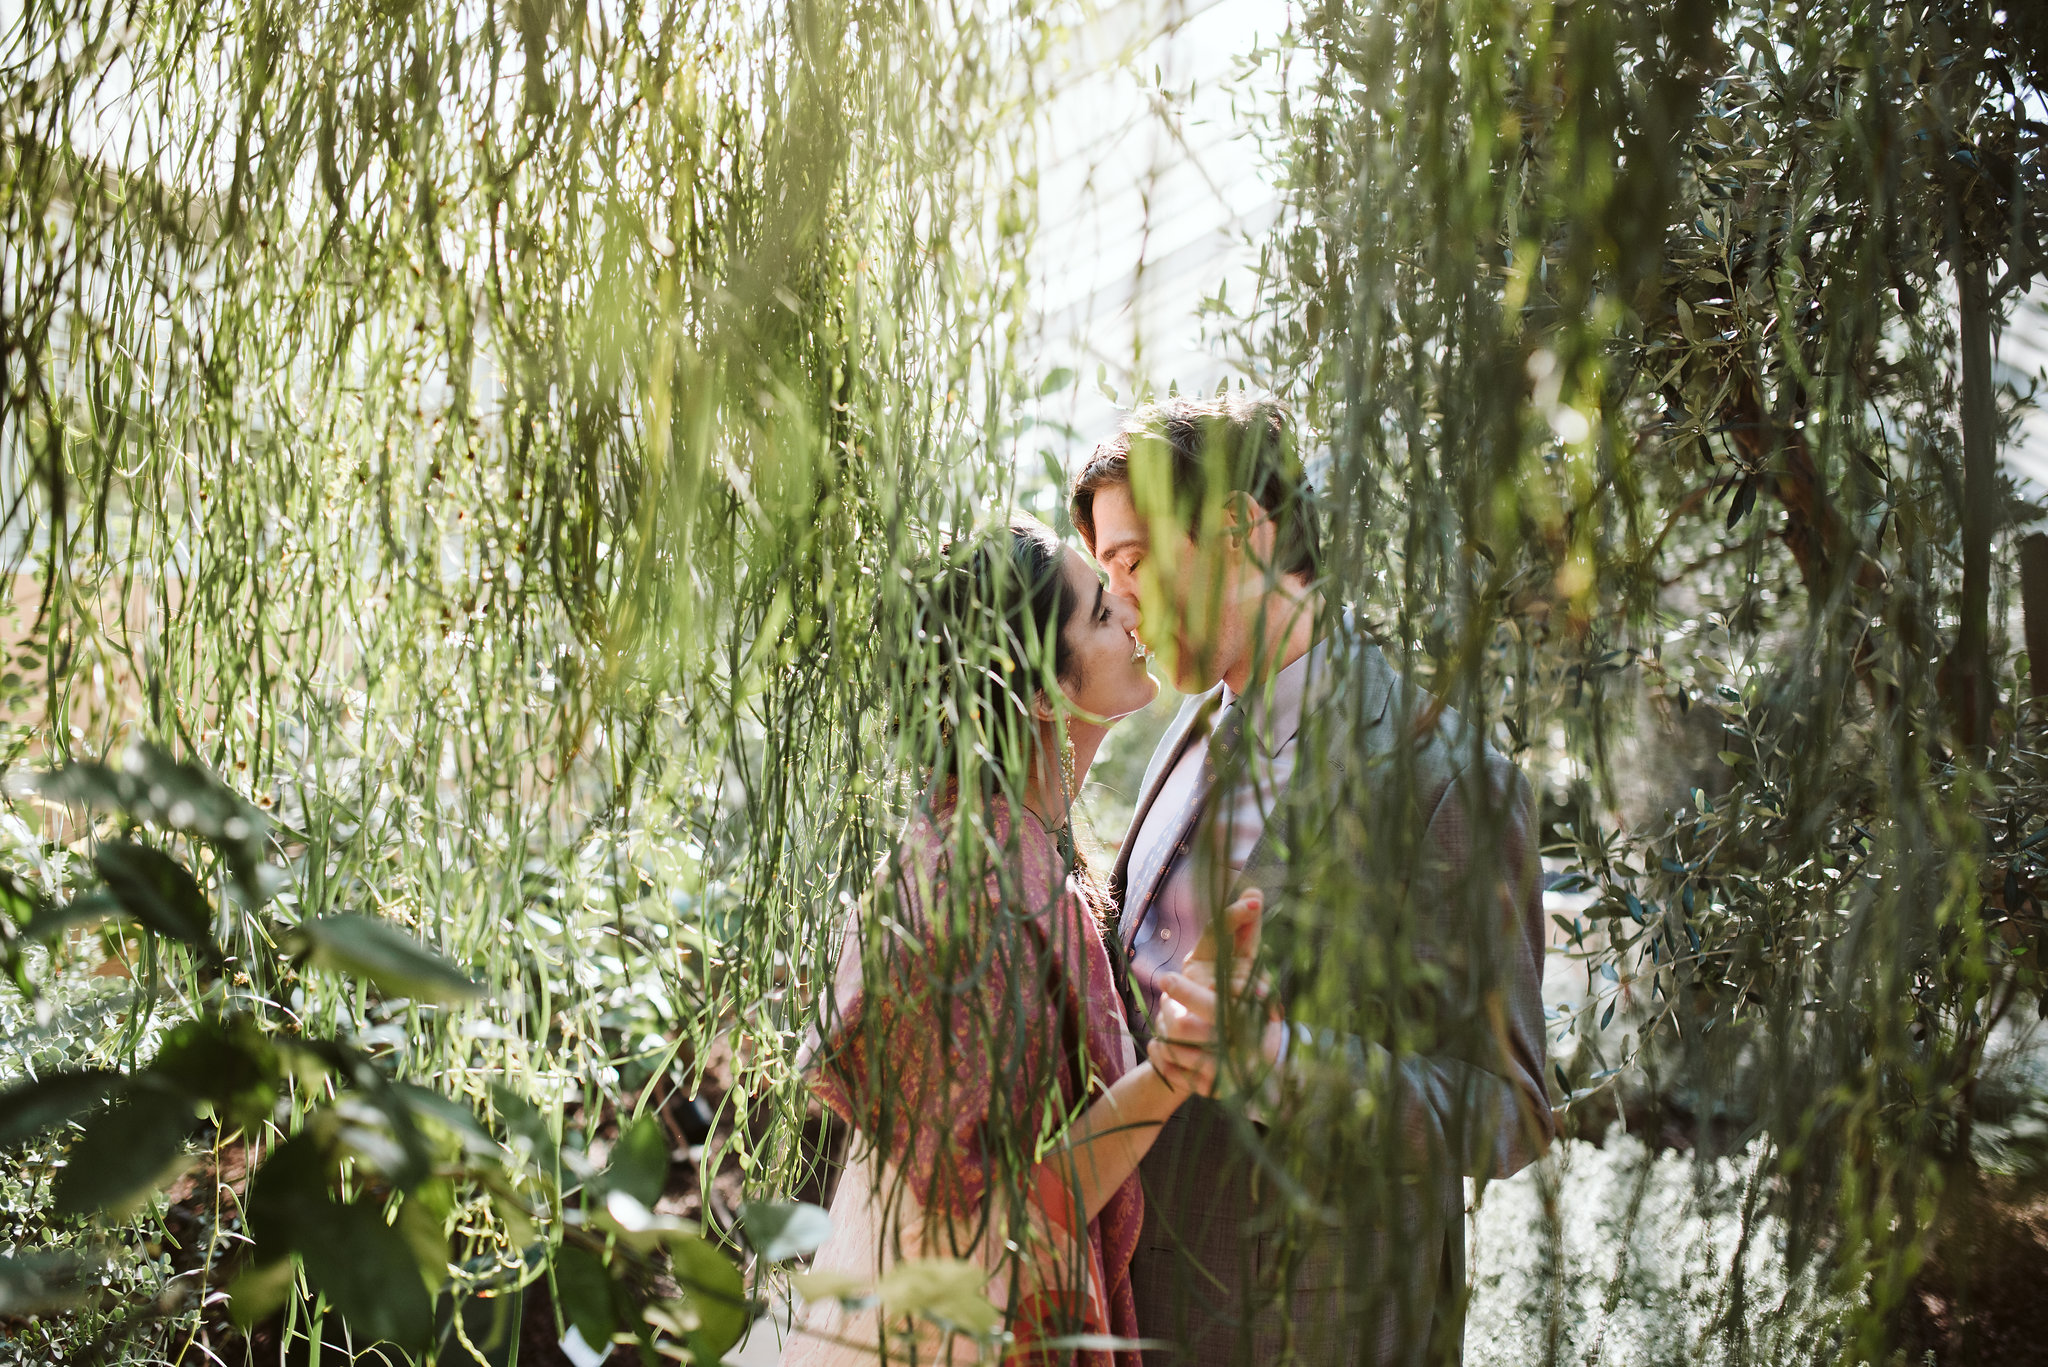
(368, 1147)
(715, 1296)
(30, 1107)
(350, 1253)
(157, 891)
(639, 1161)
(1649, 342)
(152, 787)
(583, 1293)
(376, 952)
(127, 1150)
(230, 1064)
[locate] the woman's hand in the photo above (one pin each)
(1184, 1051)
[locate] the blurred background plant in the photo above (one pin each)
(1653, 350)
(475, 433)
(485, 436)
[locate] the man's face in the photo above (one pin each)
(1186, 592)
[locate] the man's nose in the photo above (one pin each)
(1130, 613)
(1123, 584)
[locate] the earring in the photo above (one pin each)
(1067, 771)
(1065, 839)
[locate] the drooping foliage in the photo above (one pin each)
(508, 443)
(477, 433)
(1651, 345)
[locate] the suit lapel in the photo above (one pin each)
(1164, 756)
(1191, 727)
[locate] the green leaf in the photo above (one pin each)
(1102, 384)
(229, 1063)
(57, 918)
(639, 1162)
(378, 1127)
(716, 1292)
(457, 1118)
(526, 1128)
(366, 947)
(822, 1284)
(368, 1272)
(20, 903)
(29, 1108)
(152, 787)
(423, 1222)
(158, 891)
(289, 1193)
(127, 1151)
(260, 1291)
(945, 1289)
(39, 1282)
(1056, 379)
(583, 1293)
(781, 1230)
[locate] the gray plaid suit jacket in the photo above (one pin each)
(1336, 1233)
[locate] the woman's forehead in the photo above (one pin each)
(1080, 571)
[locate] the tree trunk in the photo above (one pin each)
(2034, 610)
(1966, 674)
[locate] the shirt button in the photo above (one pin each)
(1166, 933)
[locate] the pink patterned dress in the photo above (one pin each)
(961, 1036)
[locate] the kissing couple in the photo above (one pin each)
(1219, 1107)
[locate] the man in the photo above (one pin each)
(1317, 1217)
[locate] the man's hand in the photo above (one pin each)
(1184, 1052)
(1241, 923)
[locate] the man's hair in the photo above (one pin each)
(1214, 448)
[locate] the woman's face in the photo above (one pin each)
(1109, 675)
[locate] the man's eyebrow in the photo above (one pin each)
(1109, 552)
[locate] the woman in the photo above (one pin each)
(975, 1035)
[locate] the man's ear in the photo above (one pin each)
(1245, 521)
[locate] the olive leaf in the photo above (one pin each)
(948, 1290)
(781, 1230)
(157, 891)
(127, 1151)
(30, 1107)
(369, 948)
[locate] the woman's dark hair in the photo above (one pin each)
(991, 619)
